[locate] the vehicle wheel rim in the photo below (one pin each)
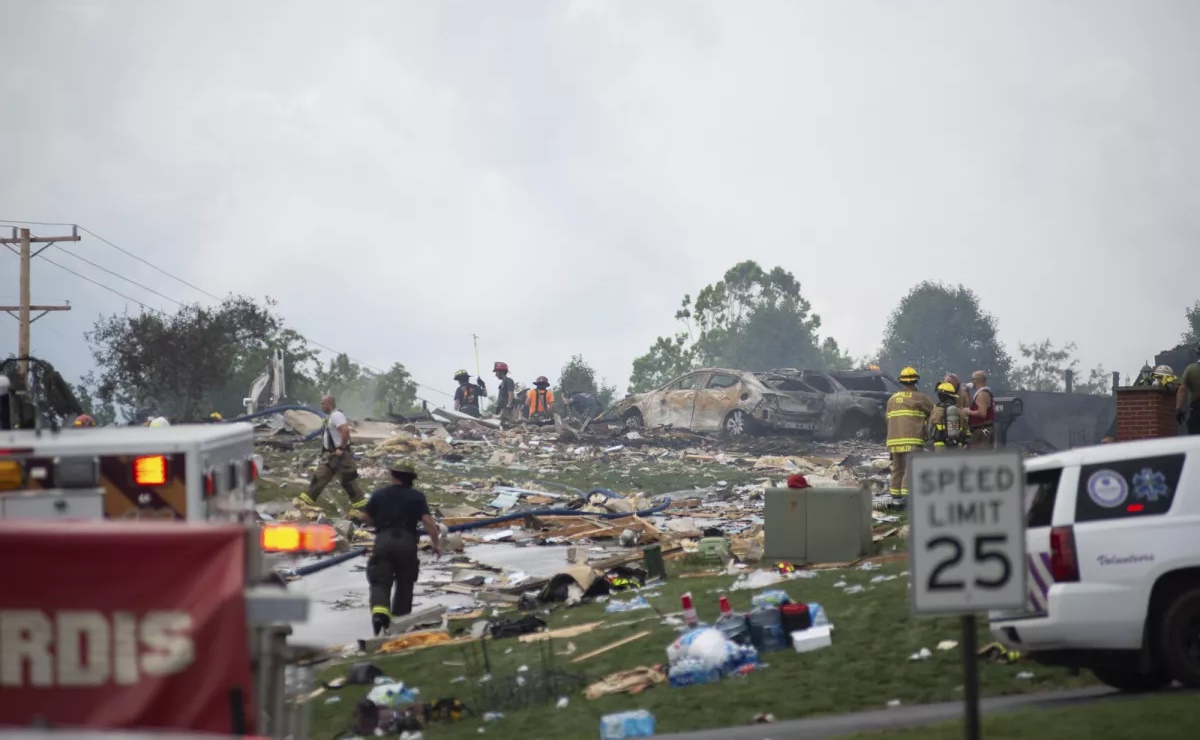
(736, 425)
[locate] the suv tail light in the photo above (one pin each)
(1064, 565)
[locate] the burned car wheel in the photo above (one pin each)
(632, 420)
(736, 424)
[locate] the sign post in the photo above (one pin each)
(967, 545)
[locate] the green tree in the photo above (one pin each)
(395, 390)
(54, 396)
(577, 376)
(175, 363)
(939, 329)
(1192, 335)
(751, 319)
(104, 412)
(361, 392)
(300, 364)
(1098, 383)
(668, 358)
(1045, 369)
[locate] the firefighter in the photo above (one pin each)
(541, 398)
(907, 414)
(981, 415)
(466, 396)
(394, 512)
(506, 395)
(960, 390)
(83, 420)
(215, 417)
(336, 459)
(1189, 389)
(945, 425)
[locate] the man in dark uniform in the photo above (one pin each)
(394, 511)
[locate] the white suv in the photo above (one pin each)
(1113, 545)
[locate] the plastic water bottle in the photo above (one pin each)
(766, 629)
(733, 625)
(634, 723)
(691, 672)
(689, 610)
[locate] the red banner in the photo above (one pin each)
(123, 625)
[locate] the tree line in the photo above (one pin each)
(204, 358)
(753, 319)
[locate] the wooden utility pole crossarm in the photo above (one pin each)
(22, 242)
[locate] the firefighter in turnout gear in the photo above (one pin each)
(467, 395)
(945, 422)
(395, 511)
(908, 412)
(337, 461)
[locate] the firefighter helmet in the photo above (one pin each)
(158, 422)
(83, 420)
(216, 416)
(461, 374)
(403, 467)
(500, 367)
(946, 389)
(541, 380)
(909, 375)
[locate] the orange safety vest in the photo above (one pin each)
(540, 400)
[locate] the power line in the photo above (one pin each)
(173, 277)
(122, 277)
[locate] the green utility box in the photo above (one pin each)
(817, 525)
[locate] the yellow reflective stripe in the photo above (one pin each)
(359, 504)
(905, 412)
(381, 610)
(905, 441)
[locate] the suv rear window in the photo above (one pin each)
(1127, 488)
(1041, 491)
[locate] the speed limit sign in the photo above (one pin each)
(967, 532)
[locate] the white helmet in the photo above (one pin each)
(1164, 370)
(159, 421)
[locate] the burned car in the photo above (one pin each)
(855, 400)
(738, 402)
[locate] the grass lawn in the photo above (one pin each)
(1159, 717)
(624, 474)
(866, 667)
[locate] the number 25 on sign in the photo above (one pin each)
(967, 545)
(967, 532)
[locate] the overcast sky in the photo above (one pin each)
(554, 176)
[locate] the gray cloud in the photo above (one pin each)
(554, 176)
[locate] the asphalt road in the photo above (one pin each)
(900, 717)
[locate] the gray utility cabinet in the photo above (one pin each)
(817, 525)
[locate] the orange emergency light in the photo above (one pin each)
(297, 538)
(150, 470)
(10, 475)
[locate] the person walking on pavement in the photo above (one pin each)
(1189, 385)
(506, 394)
(907, 415)
(466, 396)
(394, 512)
(981, 414)
(336, 459)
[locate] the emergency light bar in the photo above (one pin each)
(150, 470)
(297, 538)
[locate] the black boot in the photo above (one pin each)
(381, 623)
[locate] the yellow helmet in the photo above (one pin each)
(909, 375)
(216, 416)
(947, 388)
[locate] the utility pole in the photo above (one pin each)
(21, 244)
